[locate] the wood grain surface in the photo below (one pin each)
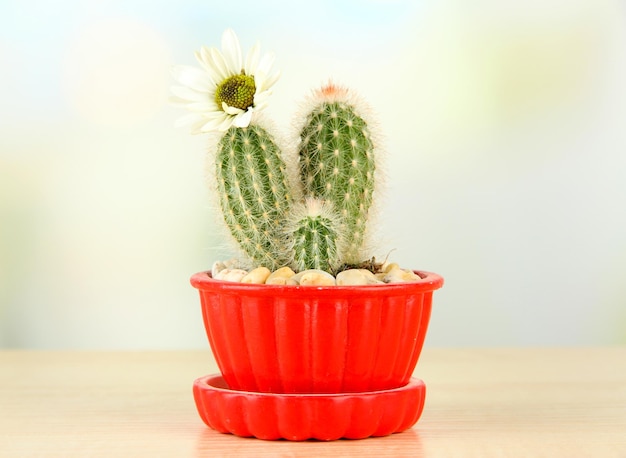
(525, 402)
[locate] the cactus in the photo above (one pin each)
(254, 193)
(316, 236)
(337, 162)
(260, 205)
(337, 169)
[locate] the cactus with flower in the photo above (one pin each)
(302, 206)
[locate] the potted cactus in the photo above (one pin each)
(312, 336)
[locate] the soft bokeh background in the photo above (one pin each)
(505, 126)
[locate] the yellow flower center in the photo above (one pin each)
(236, 91)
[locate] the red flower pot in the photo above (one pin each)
(310, 339)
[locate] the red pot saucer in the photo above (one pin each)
(298, 417)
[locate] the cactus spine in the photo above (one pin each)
(337, 163)
(254, 193)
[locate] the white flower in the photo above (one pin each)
(226, 90)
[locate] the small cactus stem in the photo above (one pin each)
(317, 238)
(254, 193)
(337, 162)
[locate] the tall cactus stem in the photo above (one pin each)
(337, 161)
(254, 193)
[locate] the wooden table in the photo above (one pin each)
(545, 402)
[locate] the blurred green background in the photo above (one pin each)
(506, 161)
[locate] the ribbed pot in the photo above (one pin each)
(299, 417)
(310, 339)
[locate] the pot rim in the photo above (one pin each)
(429, 282)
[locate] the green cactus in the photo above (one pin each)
(319, 221)
(254, 193)
(337, 162)
(316, 236)
(337, 168)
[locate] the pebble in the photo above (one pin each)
(391, 273)
(370, 277)
(354, 277)
(313, 277)
(231, 274)
(387, 267)
(280, 276)
(218, 266)
(257, 276)
(398, 275)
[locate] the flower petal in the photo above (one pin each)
(260, 106)
(188, 94)
(220, 64)
(188, 119)
(215, 124)
(191, 77)
(207, 108)
(243, 120)
(232, 51)
(231, 110)
(226, 123)
(266, 63)
(173, 100)
(198, 87)
(260, 99)
(264, 82)
(252, 60)
(215, 71)
(270, 80)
